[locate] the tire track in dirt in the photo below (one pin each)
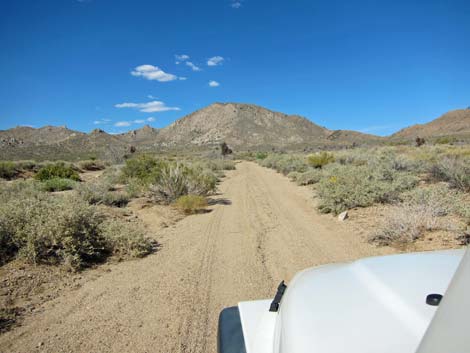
(261, 229)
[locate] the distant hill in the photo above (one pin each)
(242, 126)
(455, 123)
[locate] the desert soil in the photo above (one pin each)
(261, 229)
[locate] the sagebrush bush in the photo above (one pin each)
(58, 184)
(91, 165)
(421, 211)
(345, 187)
(318, 160)
(454, 170)
(219, 164)
(309, 177)
(7, 170)
(126, 239)
(285, 163)
(39, 227)
(102, 192)
(190, 204)
(57, 170)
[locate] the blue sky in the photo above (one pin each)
(374, 66)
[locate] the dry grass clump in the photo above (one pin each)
(165, 181)
(422, 211)
(190, 204)
(39, 227)
(454, 170)
(102, 192)
(177, 179)
(92, 165)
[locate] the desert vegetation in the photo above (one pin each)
(425, 188)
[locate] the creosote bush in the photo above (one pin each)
(57, 170)
(190, 204)
(102, 192)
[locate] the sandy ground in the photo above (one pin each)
(260, 229)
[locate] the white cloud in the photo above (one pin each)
(215, 60)
(149, 96)
(139, 121)
(236, 4)
(192, 66)
(153, 73)
(182, 78)
(149, 107)
(151, 119)
(214, 84)
(102, 121)
(122, 123)
(180, 58)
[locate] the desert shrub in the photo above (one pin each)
(57, 184)
(144, 168)
(48, 229)
(285, 163)
(28, 165)
(454, 170)
(421, 211)
(61, 229)
(318, 160)
(57, 170)
(102, 192)
(190, 204)
(261, 155)
(91, 165)
(7, 170)
(177, 179)
(309, 177)
(135, 188)
(445, 140)
(219, 164)
(126, 239)
(345, 187)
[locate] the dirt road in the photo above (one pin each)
(261, 229)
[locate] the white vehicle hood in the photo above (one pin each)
(371, 305)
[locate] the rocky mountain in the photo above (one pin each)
(455, 123)
(242, 126)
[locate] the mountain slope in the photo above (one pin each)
(454, 123)
(245, 126)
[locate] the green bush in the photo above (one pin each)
(57, 170)
(261, 155)
(285, 163)
(144, 168)
(190, 204)
(319, 160)
(91, 165)
(8, 170)
(445, 140)
(58, 184)
(345, 187)
(309, 177)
